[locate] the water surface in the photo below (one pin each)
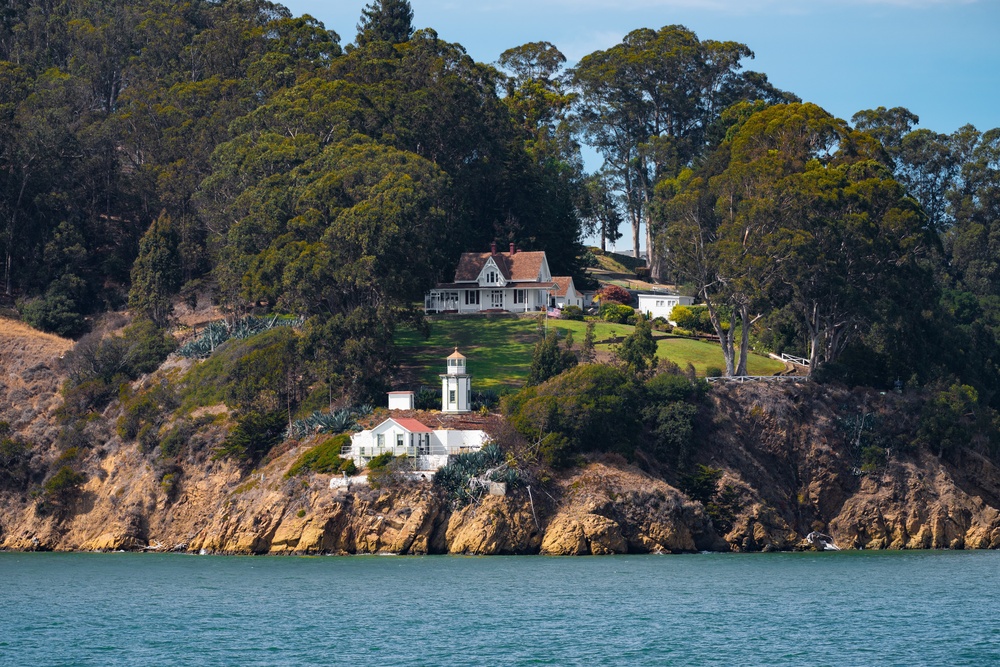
(862, 608)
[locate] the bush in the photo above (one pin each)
(253, 436)
(714, 372)
(55, 312)
(324, 458)
(462, 479)
(572, 313)
(14, 457)
(64, 484)
(388, 471)
(616, 313)
(614, 294)
(592, 406)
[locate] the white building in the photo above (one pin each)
(565, 293)
(428, 448)
(514, 281)
(401, 400)
(661, 305)
(456, 385)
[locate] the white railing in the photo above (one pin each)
(798, 361)
(743, 379)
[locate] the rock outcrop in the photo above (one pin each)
(785, 467)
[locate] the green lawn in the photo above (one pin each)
(499, 348)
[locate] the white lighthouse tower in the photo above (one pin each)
(456, 385)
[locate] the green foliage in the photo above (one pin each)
(549, 360)
(144, 411)
(466, 479)
(62, 486)
(156, 274)
(55, 312)
(385, 21)
(337, 421)
(592, 406)
(669, 412)
(253, 436)
(721, 505)
(14, 457)
(693, 318)
(260, 372)
(380, 461)
(953, 419)
(324, 458)
(217, 333)
(572, 313)
(616, 312)
(387, 472)
(637, 352)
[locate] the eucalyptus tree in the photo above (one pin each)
(794, 211)
(647, 105)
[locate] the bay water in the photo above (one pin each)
(857, 608)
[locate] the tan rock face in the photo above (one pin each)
(787, 466)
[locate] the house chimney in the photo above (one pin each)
(513, 249)
(493, 248)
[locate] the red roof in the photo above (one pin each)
(562, 284)
(412, 425)
(520, 265)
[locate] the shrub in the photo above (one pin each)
(572, 313)
(616, 313)
(323, 458)
(389, 472)
(714, 372)
(680, 331)
(55, 312)
(592, 406)
(549, 360)
(253, 436)
(64, 484)
(614, 294)
(14, 457)
(467, 477)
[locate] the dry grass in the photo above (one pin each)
(24, 347)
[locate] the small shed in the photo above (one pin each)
(661, 305)
(401, 400)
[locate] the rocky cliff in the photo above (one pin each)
(786, 462)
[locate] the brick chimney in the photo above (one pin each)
(493, 248)
(513, 249)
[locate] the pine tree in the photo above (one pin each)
(385, 21)
(156, 272)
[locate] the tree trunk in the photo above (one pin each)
(744, 340)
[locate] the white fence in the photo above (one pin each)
(743, 379)
(798, 361)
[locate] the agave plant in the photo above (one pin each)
(217, 333)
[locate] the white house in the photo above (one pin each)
(565, 293)
(428, 448)
(660, 305)
(401, 400)
(515, 281)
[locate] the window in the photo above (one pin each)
(472, 297)
(520, 295)
(659, 304)
(399, 439)
(380, 439)
(451, 396)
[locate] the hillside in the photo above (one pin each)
(499, 348)
(783, 461)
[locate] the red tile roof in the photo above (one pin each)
(412, 425)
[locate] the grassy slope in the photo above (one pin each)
(499, 348)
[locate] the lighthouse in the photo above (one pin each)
(456, 385)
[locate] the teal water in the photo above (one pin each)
(915, 608)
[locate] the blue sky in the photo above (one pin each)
(938, 58)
